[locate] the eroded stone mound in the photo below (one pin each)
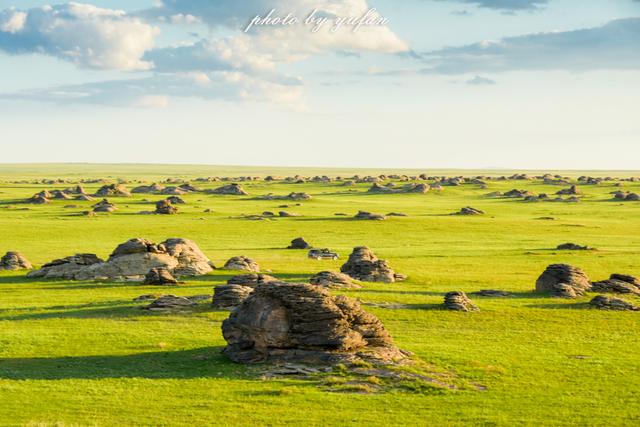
(563, 280)
(232, 189)
(572, 247)
(369, 216)
(228, 296)
(330, 279)
(251, 280)
(242, 263)
(299, 243)
(111, 190)
(170, 302)
(132, 260)
(365, 266)
(292, 322)
(618, 284)
(14, 261)
(458, 301)
(104, 206)
(66, 268)
(609, 303)
(160, 277)
(165, 207)
(468, 210)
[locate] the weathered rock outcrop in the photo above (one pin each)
(365, 266)
(160, 277)
(468, 210)
(14, 261)
(299, 243)
(165, 207)
(563, 280)
(333, 280)
(111, 190)
(572, 247)
(369, 216)
(242, 263)
(290, 322)
(66, 268)
(618, 284)
(231, 189)
(608, 303)
(458, 301)
(251, 280)
(132, 259)
(229, 296)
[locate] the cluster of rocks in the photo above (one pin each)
(45, 196)
(626, 196)
(571, 191)
(14, 261)
(290, 196)
(132, 260)
(573, 247)
(369, 216)
(302, 323)
(458, 301)
(567, 281)
(408, 188)
(364, 265)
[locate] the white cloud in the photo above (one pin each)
(86, 35)
(156, 91)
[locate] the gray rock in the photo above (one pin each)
(365, 266)
(563, 280)
(458, 301)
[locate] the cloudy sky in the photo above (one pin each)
(536, 84)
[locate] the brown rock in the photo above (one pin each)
(242, 263)
(330, 279)
(14, 261)
(228, 296)
(251, 280)
(299, 243)
(558, 278)
(608, 303)
(365, 266)
(287, 322)
(160, 276)
(458, 301)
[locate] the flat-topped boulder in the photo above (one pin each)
(251, 280)
(333, 280)
(602, 302)
(229, 296)
(14, 261)
(563, 280)
(364, 265)
(113, 190)
(230, 189)
(458, 301)
(369, 216)
(302, 323)
(242, 263)
(65, 268)
(618, 284)
(170, 303)
(573, 247)
(468, 210)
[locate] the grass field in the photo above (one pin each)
(82, 353)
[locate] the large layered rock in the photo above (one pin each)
(563, 280)
(229, 296)
(251, 280)
(132, 259)
(14, 261)
(231, 189)
(365, 266)
(458, 301)
(242, 263)
(299, 243)
(165, 207)
(608, 303)
(111, 190)
(618, 284)
(160, 277)
(66, 268)
(104, 206)
(289, 322)
(333, 280)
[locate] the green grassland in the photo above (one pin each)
(83, 353)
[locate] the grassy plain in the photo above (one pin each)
(82, 353)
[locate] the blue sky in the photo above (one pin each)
(470, 84)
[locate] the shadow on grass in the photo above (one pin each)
(567, 306)
(206, 362)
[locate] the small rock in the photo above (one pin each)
(458, 301)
